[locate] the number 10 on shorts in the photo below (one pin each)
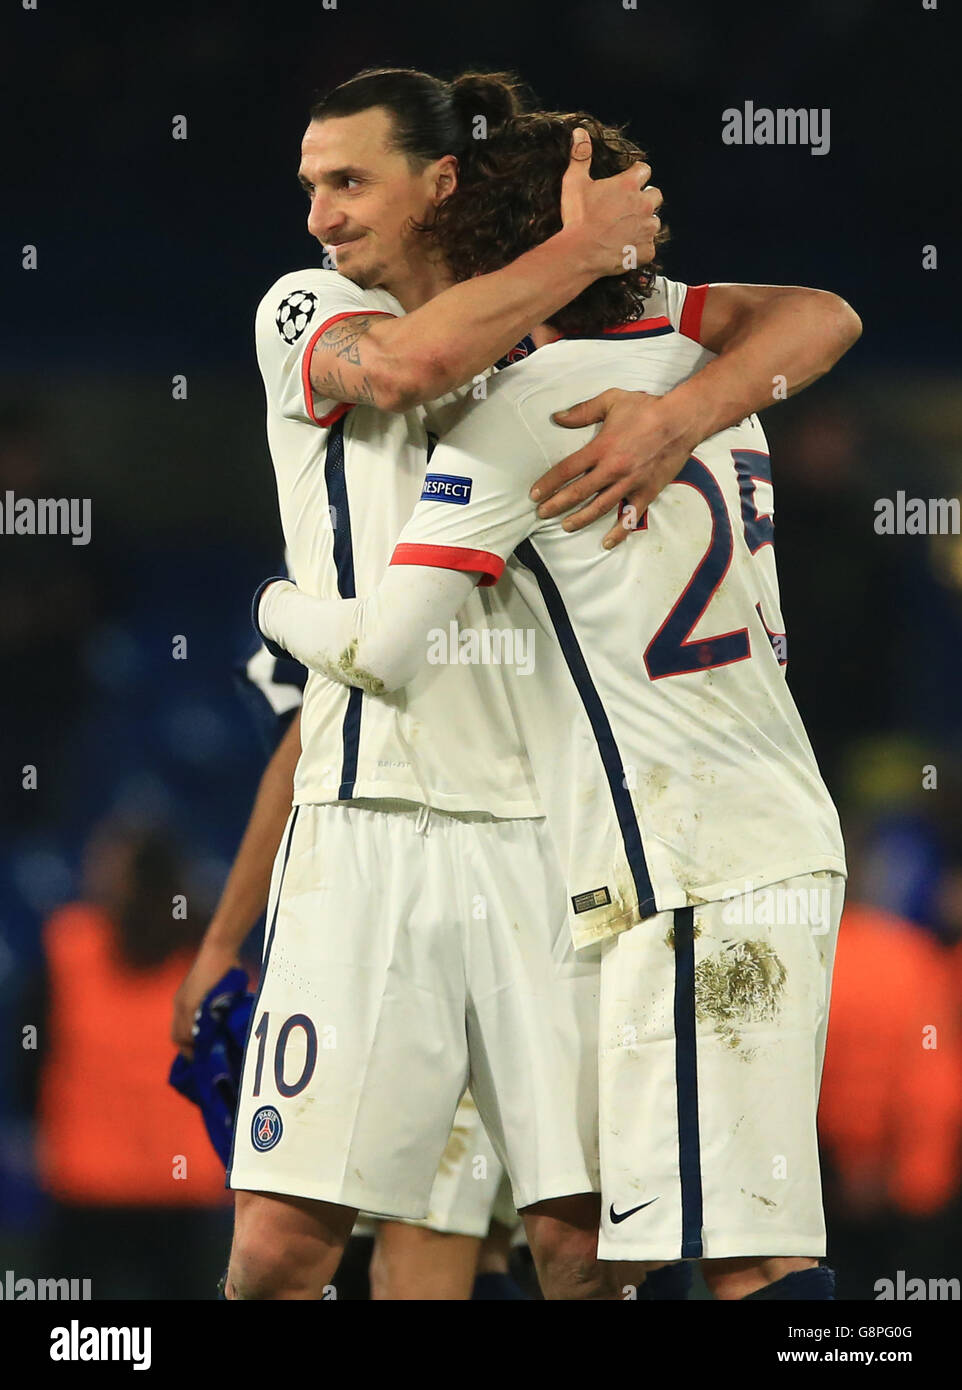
(288, 1029)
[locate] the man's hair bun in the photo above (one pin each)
(497, 96)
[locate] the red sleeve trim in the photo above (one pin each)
(691, 314)
(342, 407)
(451, 557)
(637, 326)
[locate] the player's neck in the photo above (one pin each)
(544, 334)
(416, 284)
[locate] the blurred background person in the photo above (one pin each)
(140, 1206)
(891, 1112)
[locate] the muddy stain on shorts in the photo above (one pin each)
(670, 934)
(457, 1145)
(742, 984)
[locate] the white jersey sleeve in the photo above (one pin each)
(474, 507)
(290, 318)
(376, 644)
(681, 305)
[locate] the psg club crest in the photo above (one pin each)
(294, 314)
(517, 354)
(266, 1128)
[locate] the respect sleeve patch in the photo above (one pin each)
(445, 487)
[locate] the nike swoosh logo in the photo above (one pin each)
(615, 1216)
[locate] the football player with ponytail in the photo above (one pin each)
(417, 936)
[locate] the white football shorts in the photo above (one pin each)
(713, 1022)
(471, 1188)
(409, 953)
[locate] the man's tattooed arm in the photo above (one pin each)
(338, 372)
(343, 338)
(331, 386)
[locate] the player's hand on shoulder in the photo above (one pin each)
(608, 218)
(637, 452)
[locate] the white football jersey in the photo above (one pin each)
(671, 759)
(347, 479)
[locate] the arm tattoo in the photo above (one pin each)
(330, 386)
(342, 338)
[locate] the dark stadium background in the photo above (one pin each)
(152, 256)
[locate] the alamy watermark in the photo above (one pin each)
(28, 1290)
(46, 516)
(784, 125)
(491, 646)
(780, 904)
(76, 1343)
(917, 1290)
(916, 516)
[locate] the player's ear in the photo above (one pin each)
(444, 178)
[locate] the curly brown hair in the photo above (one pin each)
(508, 200)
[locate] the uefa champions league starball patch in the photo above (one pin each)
(295, 313)
(266, 1128)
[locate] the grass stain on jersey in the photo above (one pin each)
(743, 984)
(346, 666)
